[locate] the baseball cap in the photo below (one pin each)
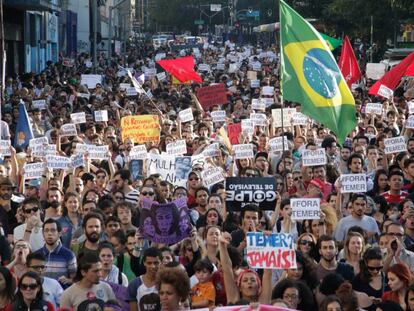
(35, 183)
(318, 183)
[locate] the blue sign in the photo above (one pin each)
(253, 14)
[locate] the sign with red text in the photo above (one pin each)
(141, 129)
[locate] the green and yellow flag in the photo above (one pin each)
(311, 77)
(333, 43)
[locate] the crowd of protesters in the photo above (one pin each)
(72, 238)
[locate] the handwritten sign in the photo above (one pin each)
(287, 116)
(373, 108)
(314, 157)
(141, 129)
(101, 115)
(385, 91)
(178, 147)
(212, 95)
(186, 115)
(258, 104)
(212, 176)
(77, 160)
(273, 251)
(91, 80)
(395, 145)
(95, 152)
(78, 117)
(305, 208)
(268, 90)
(138, 152)
(259, 119)
(353, 183)
(254, 84)
(218, 116)
(212, 150)
(247, 126)
(409, 124)
(243, 151)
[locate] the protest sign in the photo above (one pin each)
(257, 66)
(150, 72)
(101, 115)
(58, 162)
(258, 104)
(395, 145)
(88, 64)
(252, 75)
(178, 147)
(136, 167)
(353, 183)
(160, 56)
(84, 95)
(234, 131)
(221, 66)
(68, 62)
(410, 105)
(39, 104)
(5, 148)
(277, 144)
(254, 84)
(203, 67)
(78, 117)
(305, 208)
(218, 116)
(299, 118)
(314, 157)
(186, 115)
(68, 129)
(131, 91)
(212, 150)
(373, 108)
(375, 71)
(212, 176)
(34, 170)
(287, 116)
(243, 151)
(268, 90)
(253, 190)
(141, 129)
(38, 146)
(138, 152)
(268, 101)
(91, 80)
(124, 86)
(95, 152)
(161, 76)
(50, 149)
(212, 95)
(172, 169)
(247, 126)
(165, 223)
(409, 124)
(270, 251)
(258, 119)
(77, 160)
(386, 92)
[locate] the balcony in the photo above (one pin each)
(34, 5)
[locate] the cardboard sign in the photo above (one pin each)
(78, 117)
(138, 152)
(395, 145)
(38, 146)
(39, 104)
(101, 115)
(141, 129)
(91, 80)
(243, 151)
(353, 183)
(268, 90)
(234, 131)
(58, 162)
(250, 190)
(5, 148)
(287, 116)
(258, 104)
(252, 75)
(254, 84)
(409, 123)
(178, 147)
(375, 71)
(34, 170)
(259, 119)
(218, 116)
(277, 144)
(305, 208)
(386, 92)
(212, 95)
(212, 150)
(77, 160)
(186, 115)
(165, 223)
(173, 169)
(299, 118)
(68, 129)
(314, 157)
(274, 251)
(373, 108)
(212, 176)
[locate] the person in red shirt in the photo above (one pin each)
(396, 183)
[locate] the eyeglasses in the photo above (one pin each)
(41, 267)
(397, 234)
(28, 286)
(145, 193)
(375, 268)
(21, 246)
(305, 242)
(290, 297)
(30, 210)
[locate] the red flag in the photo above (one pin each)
(181, 68)
(348, 63)
(391, 79)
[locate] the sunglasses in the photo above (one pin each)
(145, 193)
(304, 242)
(375, 268)
(30, 210)
(28, 286)
(251, 175)
(297, 178)
(397, 234)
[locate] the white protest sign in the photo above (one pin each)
(259, 119)
(68, 129)
(276, 144)
(34, 170)
(305, 208)
(314, 157)
(101, 115)
(91, 80)
(212, 150)
(160, 56)
(186, 115)
(138, 152)
(373, 108)
(254, 84)
(258, 104)
(375, 71)
(131, 91)
(385, 91)
(84, 95)
(161, 76)
(58, 162)
(50, 149)
(287, 116)
(353, 183)
(95, 152)
(221, 66)
(233, 67)
(247, 126)
(124, 86)
(178, 147)
(410, 107)
(212, 176)
(409, 123)
(218, 116)
(77, 160)
(203, 67)
(150, 72)
(395, 145)
(269, 101)
(78, 117)
(5, 148)
(39, 104)
(38, 146)
(268, 90)
(299, 118)
(257, 66)
(243, 151)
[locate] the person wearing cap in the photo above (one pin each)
(315, 188)
(262, 164)
(32, 188)
(319, 172)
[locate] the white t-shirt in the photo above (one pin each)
(52, 291)
(36, 240)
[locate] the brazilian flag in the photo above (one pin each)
(333, 43)
(311, 77)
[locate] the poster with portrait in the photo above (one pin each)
(165, 223)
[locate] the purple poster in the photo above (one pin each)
(165, 223)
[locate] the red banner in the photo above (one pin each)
(212, 95)
(234, 131)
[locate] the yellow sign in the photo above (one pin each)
(141, 129)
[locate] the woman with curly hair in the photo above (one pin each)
(296, 294)
(173, 287)
(304, 271)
